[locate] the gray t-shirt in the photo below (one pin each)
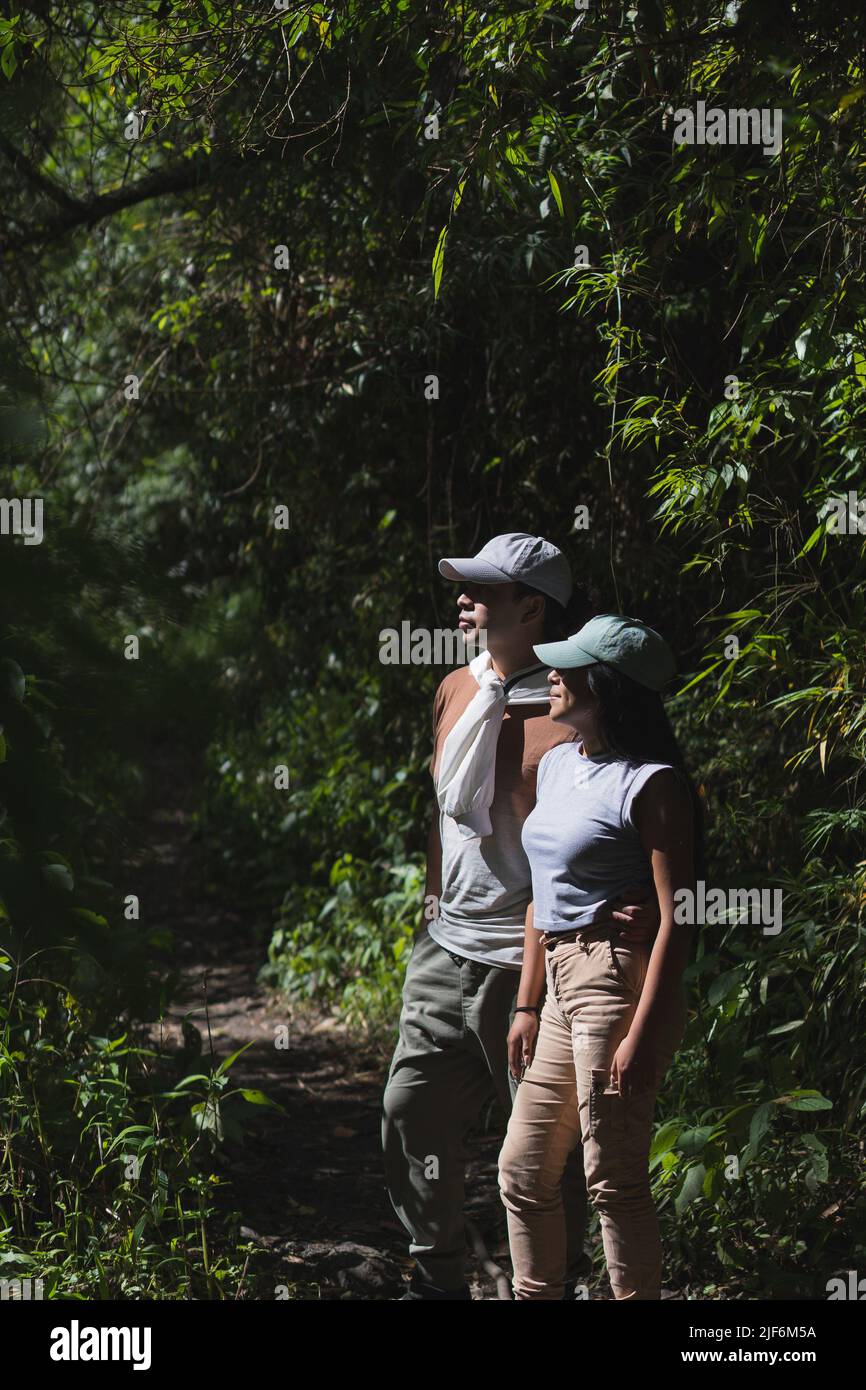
(485, 892)
(581, 842)
(486, 883)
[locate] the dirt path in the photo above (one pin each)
(308, 1183)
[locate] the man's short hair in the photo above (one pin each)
(559, 621)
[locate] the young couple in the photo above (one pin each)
(562, 803)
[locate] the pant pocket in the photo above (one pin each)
(606, 1115)
(629, 964)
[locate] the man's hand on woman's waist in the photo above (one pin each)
(637, 912)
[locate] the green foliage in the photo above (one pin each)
(345, 917)
(104, 1185)
(347, 950)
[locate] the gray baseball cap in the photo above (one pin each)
(625, 643)
(516, 557)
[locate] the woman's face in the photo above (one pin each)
(573, 703)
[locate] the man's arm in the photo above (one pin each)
(638, 909)
(433, 884)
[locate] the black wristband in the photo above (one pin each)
(527, 1009)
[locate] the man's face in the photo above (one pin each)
(495, 610)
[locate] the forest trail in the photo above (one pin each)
(307, 1181)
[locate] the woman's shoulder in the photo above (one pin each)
(554, 757)
(642, 772)
(656, 780)
(560, 752)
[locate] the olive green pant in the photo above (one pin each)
(451, 1058)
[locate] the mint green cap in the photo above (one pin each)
(624, 643)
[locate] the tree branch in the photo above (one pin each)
(22, 165)
(74, 212)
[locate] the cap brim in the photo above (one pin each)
(477, 571)
(564, 656)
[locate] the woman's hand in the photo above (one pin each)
(522, 1037)
(634, 1067)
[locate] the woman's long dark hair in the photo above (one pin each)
(635, 725)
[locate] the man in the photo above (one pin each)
(491, 726)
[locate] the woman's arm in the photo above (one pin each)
(532, 974)
(664, 820)
(524, 1030)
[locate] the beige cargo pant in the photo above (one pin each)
(593, 986)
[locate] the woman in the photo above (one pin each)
(614, 807)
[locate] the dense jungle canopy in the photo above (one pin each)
(296, 299)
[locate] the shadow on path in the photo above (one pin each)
(308, 1182)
